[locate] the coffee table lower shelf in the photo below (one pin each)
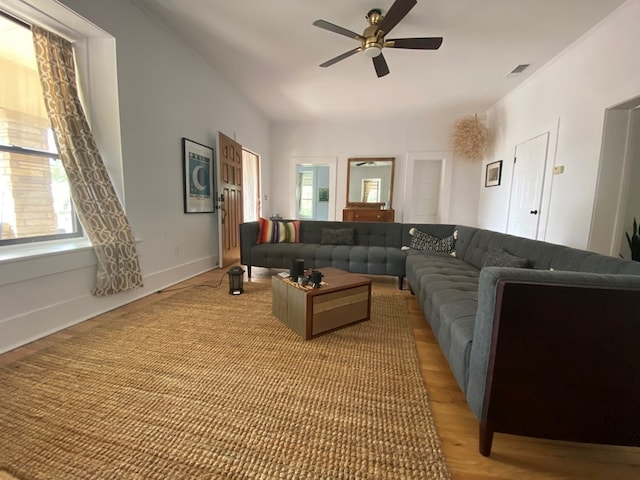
(344, 300)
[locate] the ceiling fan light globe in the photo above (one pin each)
(372, 51)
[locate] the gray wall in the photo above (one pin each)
(166, 92)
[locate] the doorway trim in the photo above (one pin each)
(259, 179)
(614, 177)
(331, 162)
(446, 167)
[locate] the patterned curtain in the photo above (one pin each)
(94, 197)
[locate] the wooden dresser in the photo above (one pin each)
(367, 215)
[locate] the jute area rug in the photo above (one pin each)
(208, 385)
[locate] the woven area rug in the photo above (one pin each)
(207, 385)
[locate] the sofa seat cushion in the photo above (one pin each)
(277, 255)
(373, 260)
(420, 264)
(442, 293)
(423, 269)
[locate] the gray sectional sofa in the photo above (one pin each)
(551, 350)
(376, 248)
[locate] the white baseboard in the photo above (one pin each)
(29, 326)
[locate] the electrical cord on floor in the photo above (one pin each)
(175, 289)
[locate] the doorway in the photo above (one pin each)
(428, 187)
(312, 192)
(324, 193)
(251, 186)
(617, 201)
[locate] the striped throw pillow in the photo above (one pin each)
(274, 231)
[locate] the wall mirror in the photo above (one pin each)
(370, 182)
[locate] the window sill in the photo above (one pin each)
(19, 263)
(26, 251)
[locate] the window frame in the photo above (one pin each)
(78, 233)
(96, 64)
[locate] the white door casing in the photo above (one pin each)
(525, 205)
(427, 187)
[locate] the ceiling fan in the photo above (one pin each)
(373, 40)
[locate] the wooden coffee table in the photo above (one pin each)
(344, 298)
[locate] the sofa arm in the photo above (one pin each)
(555, 355)
(248, 239)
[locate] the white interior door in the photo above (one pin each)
(526, 187)
(424, 203)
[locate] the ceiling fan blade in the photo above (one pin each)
(426, 43)
(337, 29)
(396, 13)
(328, 63)
(380, 64)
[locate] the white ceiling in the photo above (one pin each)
(271, 51)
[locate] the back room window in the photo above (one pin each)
(35, 199)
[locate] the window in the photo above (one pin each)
(371, 190)
(35, 199)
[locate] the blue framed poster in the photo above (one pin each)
(197, 177)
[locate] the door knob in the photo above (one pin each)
(533, 212)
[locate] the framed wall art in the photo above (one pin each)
(493, 174)
(197, 177)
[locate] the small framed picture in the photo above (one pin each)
(493, 174)
(323, 194)
(197, 177)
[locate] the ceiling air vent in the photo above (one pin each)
(519, 69)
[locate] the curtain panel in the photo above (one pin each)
(94, 197)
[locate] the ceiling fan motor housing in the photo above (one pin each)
(374, 39)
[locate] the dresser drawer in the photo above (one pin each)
(367, 215)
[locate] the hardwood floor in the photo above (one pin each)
(513, 457)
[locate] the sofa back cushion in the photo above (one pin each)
(364, 233)
(474, 245)
(337, 236)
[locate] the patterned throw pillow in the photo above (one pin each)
(501, 258)
(274, 231)
(424, 241)
(337, 236)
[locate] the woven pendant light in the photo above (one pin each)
(470, 138)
